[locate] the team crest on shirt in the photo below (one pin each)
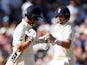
(59, 10)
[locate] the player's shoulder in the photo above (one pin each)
(69, 25)
(19, 28)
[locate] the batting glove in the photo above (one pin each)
(43, 39)
(31, 34)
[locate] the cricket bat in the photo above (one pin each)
(12, 59)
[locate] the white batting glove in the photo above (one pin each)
(43, 39)
(31, 34)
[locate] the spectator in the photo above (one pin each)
(25, 6)
(43, 28)
(5, 41)
(73, 10)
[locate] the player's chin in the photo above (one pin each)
(62, 22)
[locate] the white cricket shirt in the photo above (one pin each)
(26, 57)
(62, 32)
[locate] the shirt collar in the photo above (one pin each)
(61, 26)
(28, 26)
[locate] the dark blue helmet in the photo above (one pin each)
(63, 11)
(33, 12)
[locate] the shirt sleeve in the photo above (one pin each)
(68, 33)
(18, 36)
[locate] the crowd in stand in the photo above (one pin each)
(12, 11)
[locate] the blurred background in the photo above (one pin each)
(12, 11)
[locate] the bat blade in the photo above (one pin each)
(12, 59)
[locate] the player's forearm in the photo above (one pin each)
(66, 44)
(22, 46)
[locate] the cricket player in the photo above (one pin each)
(61, 38)
(23, 39)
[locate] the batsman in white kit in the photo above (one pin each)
(61, 36)
(23, 38)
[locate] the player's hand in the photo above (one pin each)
(43, 39)
(31, 34)
(52, 39)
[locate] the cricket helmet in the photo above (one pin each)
(63, 11)
(33, 12)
